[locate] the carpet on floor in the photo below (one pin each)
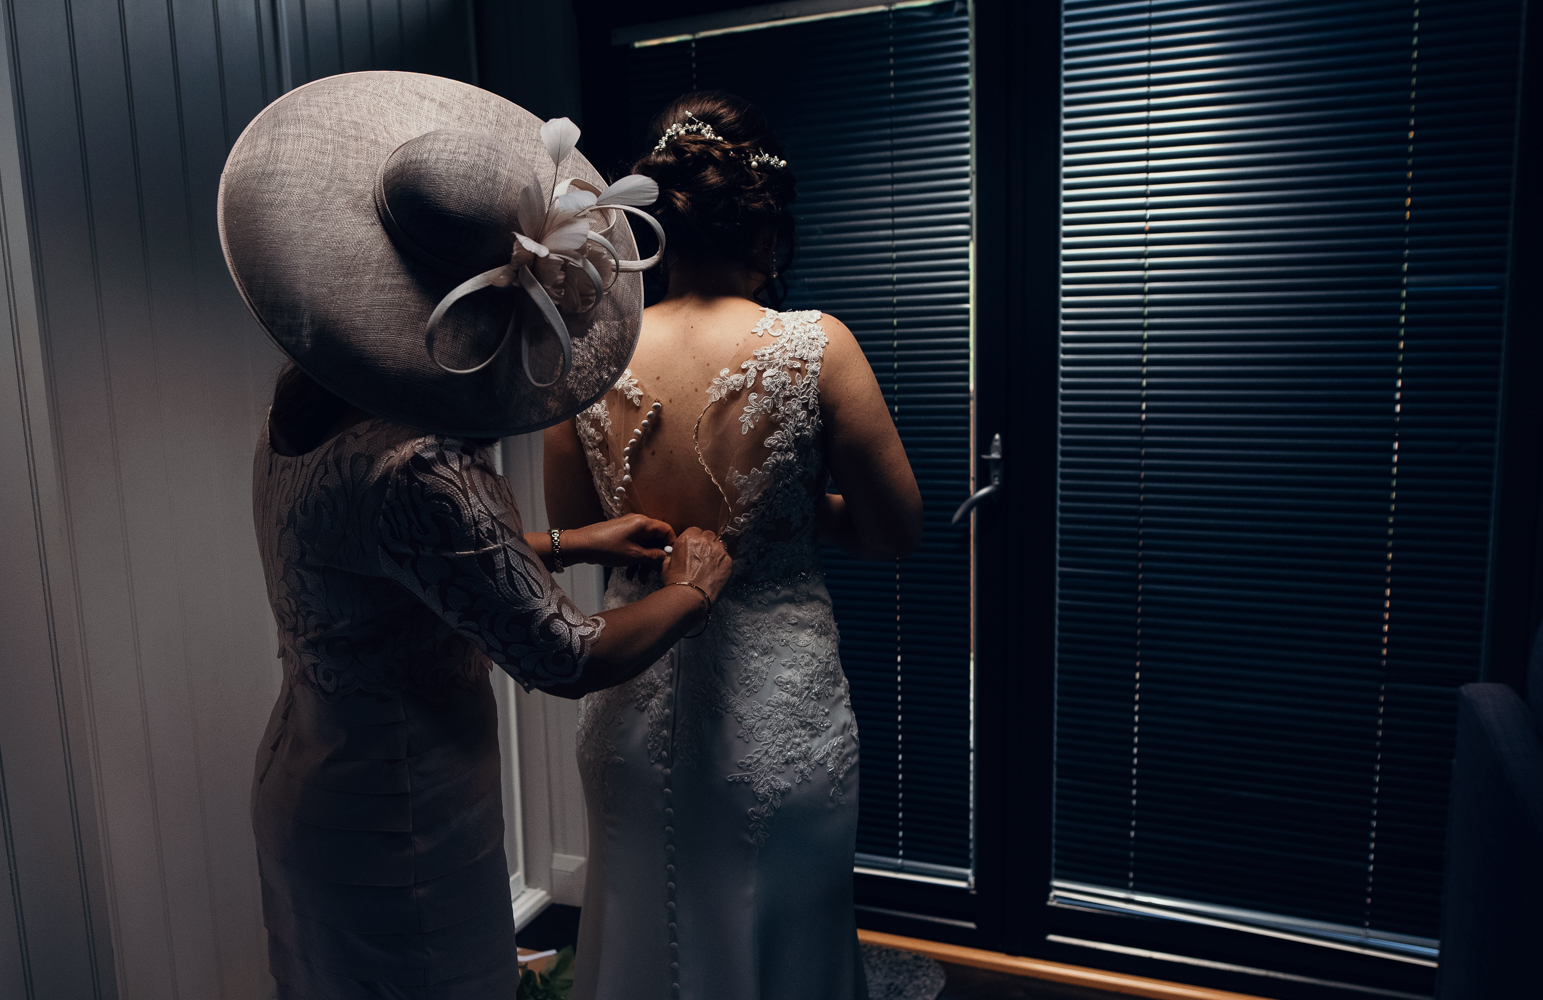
(901, 975)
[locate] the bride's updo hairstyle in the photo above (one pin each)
(714, 202)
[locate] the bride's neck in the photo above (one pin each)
(703, 280)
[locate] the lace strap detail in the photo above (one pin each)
(797, 346)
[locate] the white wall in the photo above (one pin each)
(54, 937)
(136, 644)
(137, 653)
(555, 833)
(137, 638)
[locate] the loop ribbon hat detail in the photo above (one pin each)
(434, 254)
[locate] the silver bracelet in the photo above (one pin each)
(557, 549)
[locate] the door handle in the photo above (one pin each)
(994, 456)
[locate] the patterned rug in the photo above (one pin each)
(901, 975)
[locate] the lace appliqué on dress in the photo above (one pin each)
(788, 730)
(769, 659)
(602, 712)
(774, 535)
(770, 662)
(594, 427)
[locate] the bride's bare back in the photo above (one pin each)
(679, 353)
(716, 378)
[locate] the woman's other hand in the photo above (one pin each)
(623, 541)
(637, 634)
(699, 558)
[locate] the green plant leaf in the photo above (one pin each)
(561, 973)
(555, 984)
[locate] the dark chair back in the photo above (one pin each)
(1492, 907)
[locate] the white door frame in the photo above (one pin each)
(546, 839)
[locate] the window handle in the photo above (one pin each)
(994, 456)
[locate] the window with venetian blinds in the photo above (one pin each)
(1284, 249)
(873, 109)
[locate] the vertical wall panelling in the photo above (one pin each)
(345, 36)
(54, 928)
(528, 52)
(555, 835)
(138, 643)
(155, 377)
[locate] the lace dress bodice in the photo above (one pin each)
(722, 781)
(769, 477)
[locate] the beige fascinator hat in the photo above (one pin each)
(434, 254)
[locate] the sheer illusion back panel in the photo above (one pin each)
(746, 438)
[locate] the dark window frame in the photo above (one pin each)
(1017, 172)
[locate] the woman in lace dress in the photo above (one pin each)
(721, 783)
(360, 214)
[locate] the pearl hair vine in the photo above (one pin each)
(765, 159)
(696, 126)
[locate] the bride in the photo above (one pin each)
(721, 783)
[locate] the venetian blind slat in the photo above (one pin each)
(1284, 252)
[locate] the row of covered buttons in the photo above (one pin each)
(669, 885)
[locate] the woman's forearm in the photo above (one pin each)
(635, 636)
(629, 540)
(574, 547)
(540, 543)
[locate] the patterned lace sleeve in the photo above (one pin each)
(450, 533)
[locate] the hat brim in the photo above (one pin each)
(306, 248)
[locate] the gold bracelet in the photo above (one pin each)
(709, 600)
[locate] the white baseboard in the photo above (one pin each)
(568, 879)
(528, 904)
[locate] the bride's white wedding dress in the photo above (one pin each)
(722, 782)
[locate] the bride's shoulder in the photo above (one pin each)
(843, 362)
(809, 324)
(837, 340)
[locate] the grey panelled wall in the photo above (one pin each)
(135, 638)
(344, 36)
(54, 936)
(141, 425)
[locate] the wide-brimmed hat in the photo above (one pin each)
(433, 253)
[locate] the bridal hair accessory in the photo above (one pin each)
(765, 159)
(560, 260)
(695, 125)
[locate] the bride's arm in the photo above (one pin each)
(879, 511)
(571, 501)
(571, 504)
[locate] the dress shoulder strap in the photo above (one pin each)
(787, 368)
